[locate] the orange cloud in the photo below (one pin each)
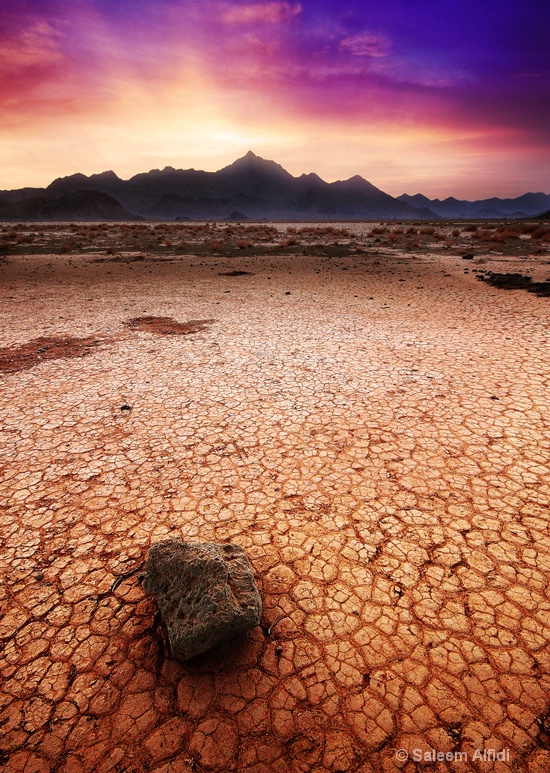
(262, 13)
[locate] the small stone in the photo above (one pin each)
(205, 592)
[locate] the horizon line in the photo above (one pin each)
(251, 153)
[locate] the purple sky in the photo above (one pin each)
(442, 98)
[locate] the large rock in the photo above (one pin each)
(205, 592)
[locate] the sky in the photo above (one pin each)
(442, 98)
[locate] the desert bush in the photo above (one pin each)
(505, 233)
(539, 232)
(486, 235)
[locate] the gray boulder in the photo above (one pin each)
(205, 592)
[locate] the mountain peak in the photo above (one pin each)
(358, 184)
(251, 163)
(78, 177)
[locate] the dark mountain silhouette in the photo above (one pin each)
(236, 216)
(355, 197)
(251, 187)
(81, 205)
(528, 205)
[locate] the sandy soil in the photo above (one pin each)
(368, 421)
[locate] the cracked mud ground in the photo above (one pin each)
(373, 429)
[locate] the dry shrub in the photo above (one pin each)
(504, 235)
(540, 232)
(486, 235)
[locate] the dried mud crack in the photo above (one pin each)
(42, 349)
(378, 441)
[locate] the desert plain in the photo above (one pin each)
(350, 404)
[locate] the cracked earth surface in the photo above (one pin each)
(378, 442)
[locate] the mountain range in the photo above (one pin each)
(528, 205)
(250, 188)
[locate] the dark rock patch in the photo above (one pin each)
(165, 326)
(235, 273)
(517, 282)
(205, 592)
(17, 358)
(123, 259)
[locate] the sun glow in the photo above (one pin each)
(196, 86)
